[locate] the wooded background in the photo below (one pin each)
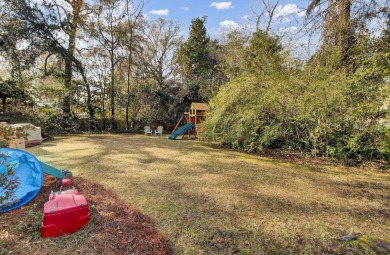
(78, 65)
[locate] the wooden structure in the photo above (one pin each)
(195, 116)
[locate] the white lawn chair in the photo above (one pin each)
(147, 130)
(159, 130)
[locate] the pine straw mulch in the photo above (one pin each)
(114, 227)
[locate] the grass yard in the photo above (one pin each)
(214, 201)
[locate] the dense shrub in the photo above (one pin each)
(315, 109)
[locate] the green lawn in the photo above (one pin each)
(214, 201)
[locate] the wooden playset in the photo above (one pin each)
(192, 120)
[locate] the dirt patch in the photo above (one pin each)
(114, 227)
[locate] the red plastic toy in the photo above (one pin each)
(65, 183)
(64, 213)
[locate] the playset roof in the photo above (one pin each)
(200, 106)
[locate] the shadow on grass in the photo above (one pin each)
(212, 201)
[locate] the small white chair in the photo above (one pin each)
(159, 130)
(147, 130)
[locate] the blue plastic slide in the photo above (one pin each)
(50, 170)
(29, 172)
(180, 131)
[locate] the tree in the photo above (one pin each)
(234, 53)
(194, 57)
(161, 39)
(336, 28)
(133, 37)
(105, 26)
(40, 28)
(73, 19)
(217, 76)
(264, 54)
(98, 67)
(342, 23)
(267, 9)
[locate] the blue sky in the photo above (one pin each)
(226, 14)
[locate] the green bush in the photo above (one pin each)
(314, 109)
(8, 183)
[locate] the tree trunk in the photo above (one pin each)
(129, 77)
(113, 122)
(344, 28)
(104, 115)
(76, 6)
(61, 50)
(128, 89)
(104, 105)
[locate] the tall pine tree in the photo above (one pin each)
(195, 61)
